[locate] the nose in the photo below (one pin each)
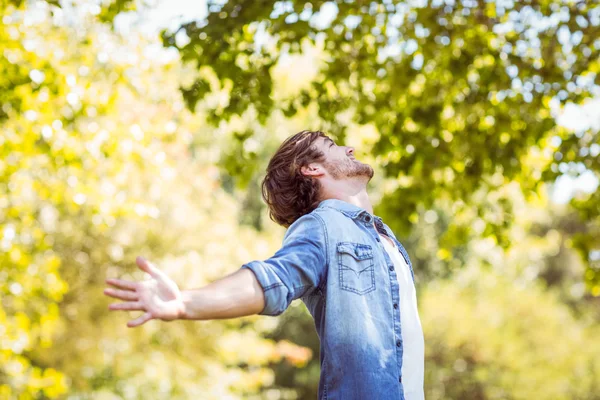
(350, 151)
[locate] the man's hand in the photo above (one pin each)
(159, 297)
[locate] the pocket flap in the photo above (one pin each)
(358, 251)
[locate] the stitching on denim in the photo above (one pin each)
(273, 286)
(349, 214)
(324, 371)
(299, 289)
(371, 268)
(403, 252)
(368, 249)
(322, 286)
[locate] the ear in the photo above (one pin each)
(313, 170)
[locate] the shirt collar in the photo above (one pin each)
(350, 210)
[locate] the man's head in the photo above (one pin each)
(308, 168)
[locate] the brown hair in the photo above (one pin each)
(288, 193)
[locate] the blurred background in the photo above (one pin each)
(143, 128)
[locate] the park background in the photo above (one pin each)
(144, 127)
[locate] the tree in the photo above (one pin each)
(461, 93)
(96, 168)
(489, 338)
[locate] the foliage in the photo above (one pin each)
(505, 324)
(490, 338)
(30, 283)
(468, 297)
(112, 8)
(97, 168)
(100, 161)
(458, 92)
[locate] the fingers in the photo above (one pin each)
(140, 320)
(127, 306)
(120, 283)
(121, 294)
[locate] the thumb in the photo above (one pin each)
(146, 266)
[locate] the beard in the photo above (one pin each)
(348, 168)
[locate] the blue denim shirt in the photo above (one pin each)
(333, 260)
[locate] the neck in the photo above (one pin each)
(353, 192)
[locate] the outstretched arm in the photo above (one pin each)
(235, 295)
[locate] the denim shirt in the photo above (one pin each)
(332, 259)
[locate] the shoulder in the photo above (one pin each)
(310, 233)
(328, 215)
(308, 224)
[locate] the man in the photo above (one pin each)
(345, 264)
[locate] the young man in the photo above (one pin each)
(345, 264)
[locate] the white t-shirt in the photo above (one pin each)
(413, 357)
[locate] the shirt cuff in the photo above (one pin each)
(275, 298)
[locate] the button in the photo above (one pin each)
(395, 306)
(378, 239)
(391, 267)
(398, 343)
(368, 218)
(400, 379)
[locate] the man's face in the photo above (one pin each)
(340, 162)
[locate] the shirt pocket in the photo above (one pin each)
(356, 267)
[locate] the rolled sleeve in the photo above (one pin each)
(296, 269)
